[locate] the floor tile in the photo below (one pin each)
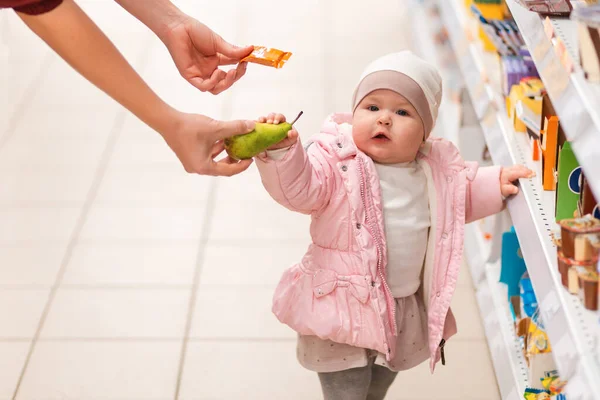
(132, 264)
(248, 311)
(466, 311)
(257, 370)
(246, 186)
(48, 151)
(20, 312)
(117, 313)
(53, 122)
(462, 378)
(464, 278)
(33, 264)
(125, 370)
(249, 263)
(152, 185)
(46, 186)
(37, 224)
(110, 224)
(257, 221)
(11, 363)
(152, 149)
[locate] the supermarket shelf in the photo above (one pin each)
(448, 123)
(576, 101)
(572, 329)
(505, 346)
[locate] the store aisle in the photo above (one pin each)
(122, 277)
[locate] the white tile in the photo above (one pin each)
(152, 185)
(256, 370)
(46, 185)
(35, 264)
(144, 223)
(152, 149)
(23, 44)
(20, 311)
(464, 277)
(37, 224)
(180, 94)
(249, 263)
(468, 374)
(64, 86)
(126, 370)
(130, 264)
(257, 221)
(117, 313)
(243, 312)
(247, 186)
(52, 122)
(11, 364)
(46, 150)
(466, 311)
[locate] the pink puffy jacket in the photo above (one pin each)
(338, 291)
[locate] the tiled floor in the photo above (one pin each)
(122, 277)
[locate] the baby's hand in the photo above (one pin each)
(277, 119)
(511, 174)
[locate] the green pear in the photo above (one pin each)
(263, 136)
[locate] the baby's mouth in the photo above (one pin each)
(381, 136)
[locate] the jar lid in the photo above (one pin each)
(587, 224)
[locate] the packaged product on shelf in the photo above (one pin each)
(512, 263)
(588, 30)
(536, 394)
(588, 288)
(513, 69)
(569, 184)
(529, 303)
(539, 353)
(569, 277)
(574, 236)
(555, 8)
(525, 98)
(496, 34)
(587, 205)
(551, 138)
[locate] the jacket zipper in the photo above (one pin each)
(442, 344)
(378, 245)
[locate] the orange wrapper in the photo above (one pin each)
(267, 56)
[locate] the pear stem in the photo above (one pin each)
(299, 115)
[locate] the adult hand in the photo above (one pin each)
(197, 140)
(198, 52)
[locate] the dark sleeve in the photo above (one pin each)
(31, 7)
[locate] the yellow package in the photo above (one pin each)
(267, 56)
(538, 340)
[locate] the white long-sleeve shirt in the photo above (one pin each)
(407, 220)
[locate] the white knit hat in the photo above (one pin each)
(408, 75)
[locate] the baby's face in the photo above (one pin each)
(387, 128)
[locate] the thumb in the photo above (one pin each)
(227, 129)
(231, 51)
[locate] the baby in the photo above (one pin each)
(372, 294)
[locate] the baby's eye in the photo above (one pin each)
(373, 108)
(404, 113)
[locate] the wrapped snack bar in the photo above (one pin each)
(268, 56)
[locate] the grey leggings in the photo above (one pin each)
(365, 383)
